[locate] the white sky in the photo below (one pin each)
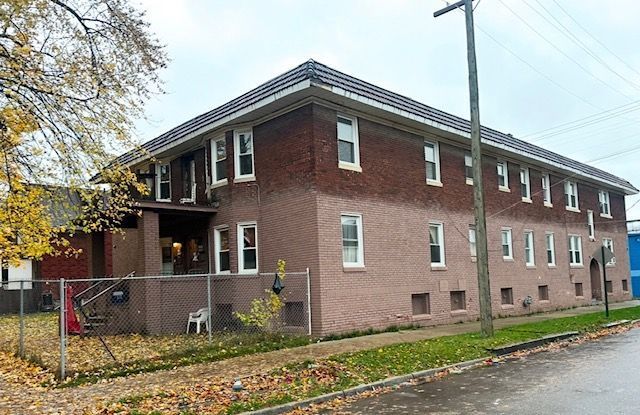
(221, 49)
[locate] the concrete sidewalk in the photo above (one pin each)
(78, 399)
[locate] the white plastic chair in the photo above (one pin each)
(200, 316)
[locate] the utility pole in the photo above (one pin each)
(482, 262)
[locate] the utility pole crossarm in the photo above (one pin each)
(482, 263)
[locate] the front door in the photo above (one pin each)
(596, 287)
(166, 249)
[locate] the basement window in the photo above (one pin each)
(579, 292)
(543, 292)
(506, 296)
(458, 301)
(420, 304)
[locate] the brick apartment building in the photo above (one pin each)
(371, 191)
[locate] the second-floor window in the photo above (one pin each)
(608, 243)
(348, 145)
(468, 168)
(571, 195)
(472, 241)
(546, 189)
(503, 175)
(432, 161)
(188, 179)
(243, 155)
(163, 178)
(603, 198)
(590, 225)
(219, 161)
(525, 184)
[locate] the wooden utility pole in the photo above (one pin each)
(482, 262)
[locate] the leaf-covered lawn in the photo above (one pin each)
(88, 361)
(300, 381)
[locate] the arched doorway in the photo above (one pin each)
(596, 284)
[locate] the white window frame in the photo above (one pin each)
(473, 244)
(347, 165)
(360, 235)
(436, 162)
(215, 181)
(546, 190)
(568, 185)
(217, 244)
(591, 227)
(440, 233)
(608, 243)
(468, 162)
(506, 231)
(240, 244)
(525, 181)
(550, 245)
(604, 200)
(236, 157)
(158, 182)
(529, 249)
(505, 175)
(575, 245)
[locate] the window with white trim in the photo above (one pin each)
(163, 180)
(348, 142)
(436, 244)
(432, 161)
(525, 184)
(529, 253)
(571, 194)
(608, 243)
(605, 207)
(243, 155)
(546, 188)
(507, 246)
(575, 250)
(247, 248)
(551, 249)
(222, 251)
(472, 242)
(503, 175)
(219, 161)
(590, 225)
(468, 168)
(352, 241)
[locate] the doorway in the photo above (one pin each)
(596, 285)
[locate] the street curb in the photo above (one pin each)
(616, 323)
(530, 344)
(356, 390)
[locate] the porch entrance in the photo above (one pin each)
(596, 284)
(183, 244)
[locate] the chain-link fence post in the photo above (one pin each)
(21, 342)
(63, 339)
(309, 301)
(209, 326)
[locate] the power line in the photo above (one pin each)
(574, 39)
(596, 39)
(553, 45)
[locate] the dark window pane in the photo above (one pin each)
(245, 143)
(435, 254)
(224, 261)
(431, 171)
(221, 170)
(249, 259)
(224, 240)
(249, 237)
(164, 191)
(221, 150)
(345, 152)
(246, 165)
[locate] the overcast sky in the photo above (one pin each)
(541, 63)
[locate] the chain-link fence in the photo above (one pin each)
(130, 324)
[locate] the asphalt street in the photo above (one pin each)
(599, 377)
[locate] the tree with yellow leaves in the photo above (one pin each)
(74, 74)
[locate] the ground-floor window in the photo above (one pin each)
(221, 242)
(247, 247)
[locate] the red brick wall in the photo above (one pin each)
(55, 267)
